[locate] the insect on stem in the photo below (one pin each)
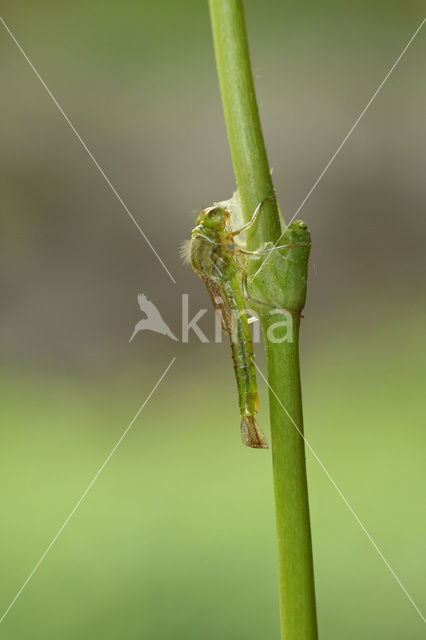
(214, 258)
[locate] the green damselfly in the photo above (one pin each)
(220, 263)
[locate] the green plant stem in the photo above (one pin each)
(296, 579)
(296, 576)
(245, 136)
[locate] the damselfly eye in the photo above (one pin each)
(303, 225)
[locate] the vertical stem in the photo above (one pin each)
(296, 579)
(296, 575)
(245, 136)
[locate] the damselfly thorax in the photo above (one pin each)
(210, 255)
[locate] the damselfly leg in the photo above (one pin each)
(251, 222)
(261, 252)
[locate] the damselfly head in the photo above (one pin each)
(214, 218)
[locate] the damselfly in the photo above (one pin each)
(220, 262)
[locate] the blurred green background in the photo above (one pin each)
(176, 538)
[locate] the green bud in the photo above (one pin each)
(280, 278)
